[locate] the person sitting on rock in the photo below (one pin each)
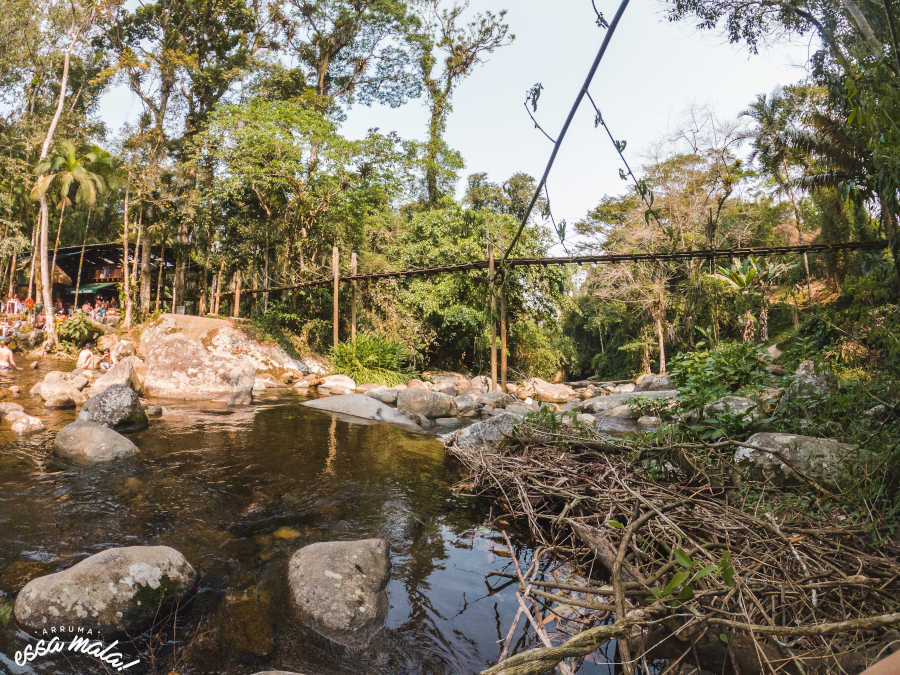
(7, 362)
(86, 359)
(106, 362)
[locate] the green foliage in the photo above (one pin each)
(372, 358)
(6, 612)
(681, 586)
(704, 376)
(78, 330)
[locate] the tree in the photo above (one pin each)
(353, 50)
(458, 46)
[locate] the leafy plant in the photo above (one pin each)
(704, 376)
(6, 611)
(680, 588)
(78, 330)
(372, 358)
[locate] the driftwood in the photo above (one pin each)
(679, 564)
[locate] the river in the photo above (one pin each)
(237, 491)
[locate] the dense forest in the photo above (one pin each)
(237, 171)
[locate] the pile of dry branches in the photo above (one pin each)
(687, 572)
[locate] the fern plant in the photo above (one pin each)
(373, 359)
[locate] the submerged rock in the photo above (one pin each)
(338, 589)
(117, 407)
(121, 590)
(23, 424)
(362, 406)
(245, 624)
(89, 442)
(821, 458)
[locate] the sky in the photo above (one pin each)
(653, 73)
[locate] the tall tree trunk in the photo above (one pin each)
(237, 293)
(56, 243)
(145, 275)
(12, 274)
(162, 269)
(34, 254)
(221, 276)
(204, 287)
(74, 35)
(129, 304)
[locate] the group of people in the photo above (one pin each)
(12, 305)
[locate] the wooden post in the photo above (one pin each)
(353, 301)
(493, 323)
(334, 303)
(502, 338)
(808, 282)
(237, 293)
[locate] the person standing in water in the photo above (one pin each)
(7, 362)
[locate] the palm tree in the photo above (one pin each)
(67, 166)
(749, 279)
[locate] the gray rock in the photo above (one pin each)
(497, 399)
(447, 422)
(651, 382)
(419, 401)
(124, 372)
(466, 403)
(444, 387)
(120, 590)
(61, 390)
(117, 407)
(626, 388)
(601, 404)
(485, 434)
(362, 406)
(481, 383)
(821, 458)
(337, 384)
(338, 589)
(521, 408)
(811, 381)
(384, 394)
(91, 442)
(739, 406)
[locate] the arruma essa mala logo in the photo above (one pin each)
(78, 640)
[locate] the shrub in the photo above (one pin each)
(704, 376)
(372, 358)
(77, 330)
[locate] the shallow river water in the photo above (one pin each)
(237, 491)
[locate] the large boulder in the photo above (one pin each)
(541, 390)
(89, 442)
(811, 380)
(119, 591)
(364, 407)
(497, 399)
(227, 341)
(338, 589)
(485, 434)
(127, 371)
(6, 408)
(431, 404)
(117, 407)
(651, 382)
(21, 424)
(180, 368)
(821, 458)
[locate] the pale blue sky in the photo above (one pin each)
(653, 73)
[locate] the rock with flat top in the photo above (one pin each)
(337, 384)
(651, 382)
(420, 401)
(337, 588)
(485, 434)
(384, 394)
(362, 406)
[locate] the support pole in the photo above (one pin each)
(503, 338)
(334, 303)
(353, 301)
(237, 293)
(808, 282)
(493, 323)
